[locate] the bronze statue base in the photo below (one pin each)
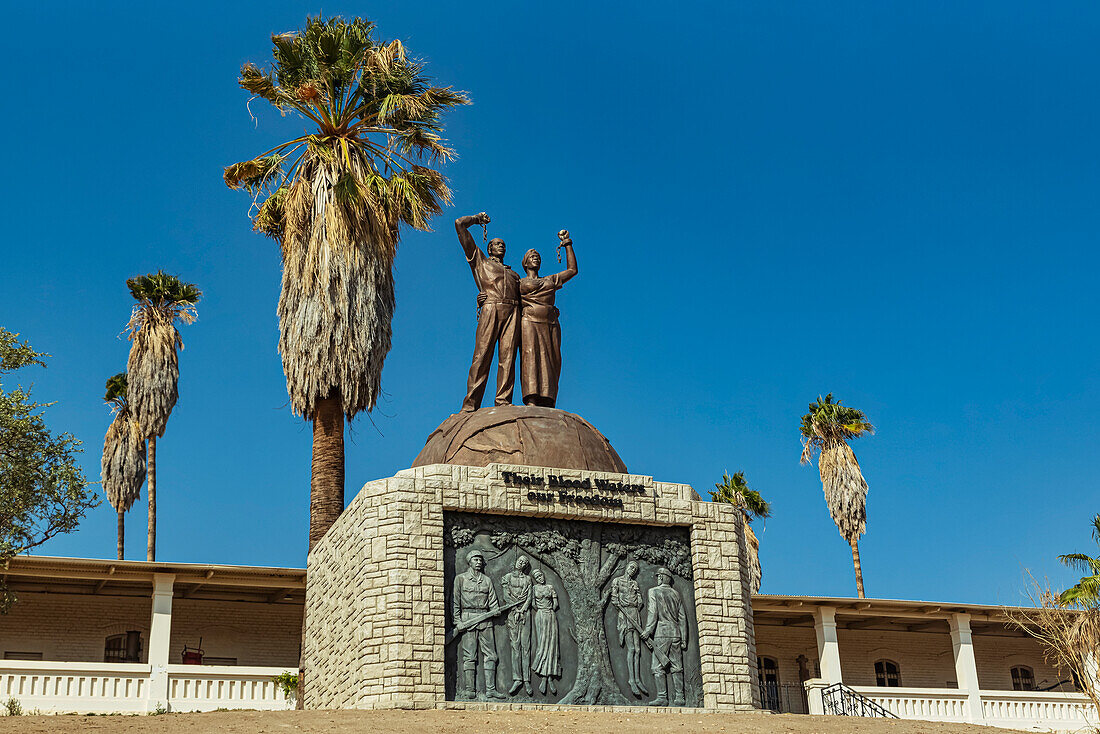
(520, 434)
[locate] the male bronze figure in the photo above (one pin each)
(475, 598)
(667, 625)
(540, 334)
(498, 289)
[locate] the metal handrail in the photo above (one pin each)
(841, 700)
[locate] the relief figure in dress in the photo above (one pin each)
(547, 653)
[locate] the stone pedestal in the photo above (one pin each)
(378, 597)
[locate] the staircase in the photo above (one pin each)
(840, 700)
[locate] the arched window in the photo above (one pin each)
(124, 648)
(1023, 678)
(887, 674)
(768, 673)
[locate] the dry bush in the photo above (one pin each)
(1070, 638)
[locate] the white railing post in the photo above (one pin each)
(966, 667)
(160, 632)
(815, 695)
(828, 648)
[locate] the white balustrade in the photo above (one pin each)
(62, 687)
(210, 687)
(930, 704)
(1038, 710)
(56, 687)
(1047, 711)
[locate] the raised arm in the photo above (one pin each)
(570, 260)
(462, 227)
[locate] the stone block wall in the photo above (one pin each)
(375, 613)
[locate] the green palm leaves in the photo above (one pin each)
(1086, 592)
(378, 120)
(735, 491)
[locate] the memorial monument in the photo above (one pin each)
(518, 562)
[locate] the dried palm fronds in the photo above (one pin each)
(123, 463)
(845, 489)
(153, 371)
(756, 573)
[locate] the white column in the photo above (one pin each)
(966, 667)
(160, 631)
(828, 649)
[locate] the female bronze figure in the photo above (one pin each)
(540, 334)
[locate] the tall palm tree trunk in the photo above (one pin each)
(326, 487)
(151, 550)
(326, 491)
(859, 568)
(121, 534)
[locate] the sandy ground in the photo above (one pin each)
(473, 722)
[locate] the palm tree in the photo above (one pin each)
(123, 465)
(735, 491)
(334, 200)
(827, 428)
(1086, 592)
(153, 373)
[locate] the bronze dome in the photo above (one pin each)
(518, 434)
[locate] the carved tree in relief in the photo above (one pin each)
(584, 555)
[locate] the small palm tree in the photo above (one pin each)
(827, 428)
(735, 491)
(123, 465)
(152, 372)
(334, 199)
(1086, 592)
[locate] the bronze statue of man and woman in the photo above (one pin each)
(514, 314)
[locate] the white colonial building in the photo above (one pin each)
(123, 636)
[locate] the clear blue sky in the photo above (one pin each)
(895, 202)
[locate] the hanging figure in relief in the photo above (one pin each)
(626, 597)
(547, 655)
(517, 589)
(540, 334)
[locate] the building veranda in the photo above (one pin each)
(123, 636)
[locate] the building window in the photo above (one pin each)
(887, 674)
(767, 670)
(16, 655)
(1023, 678)
(124, 648)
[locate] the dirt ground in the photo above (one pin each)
(471, 722)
